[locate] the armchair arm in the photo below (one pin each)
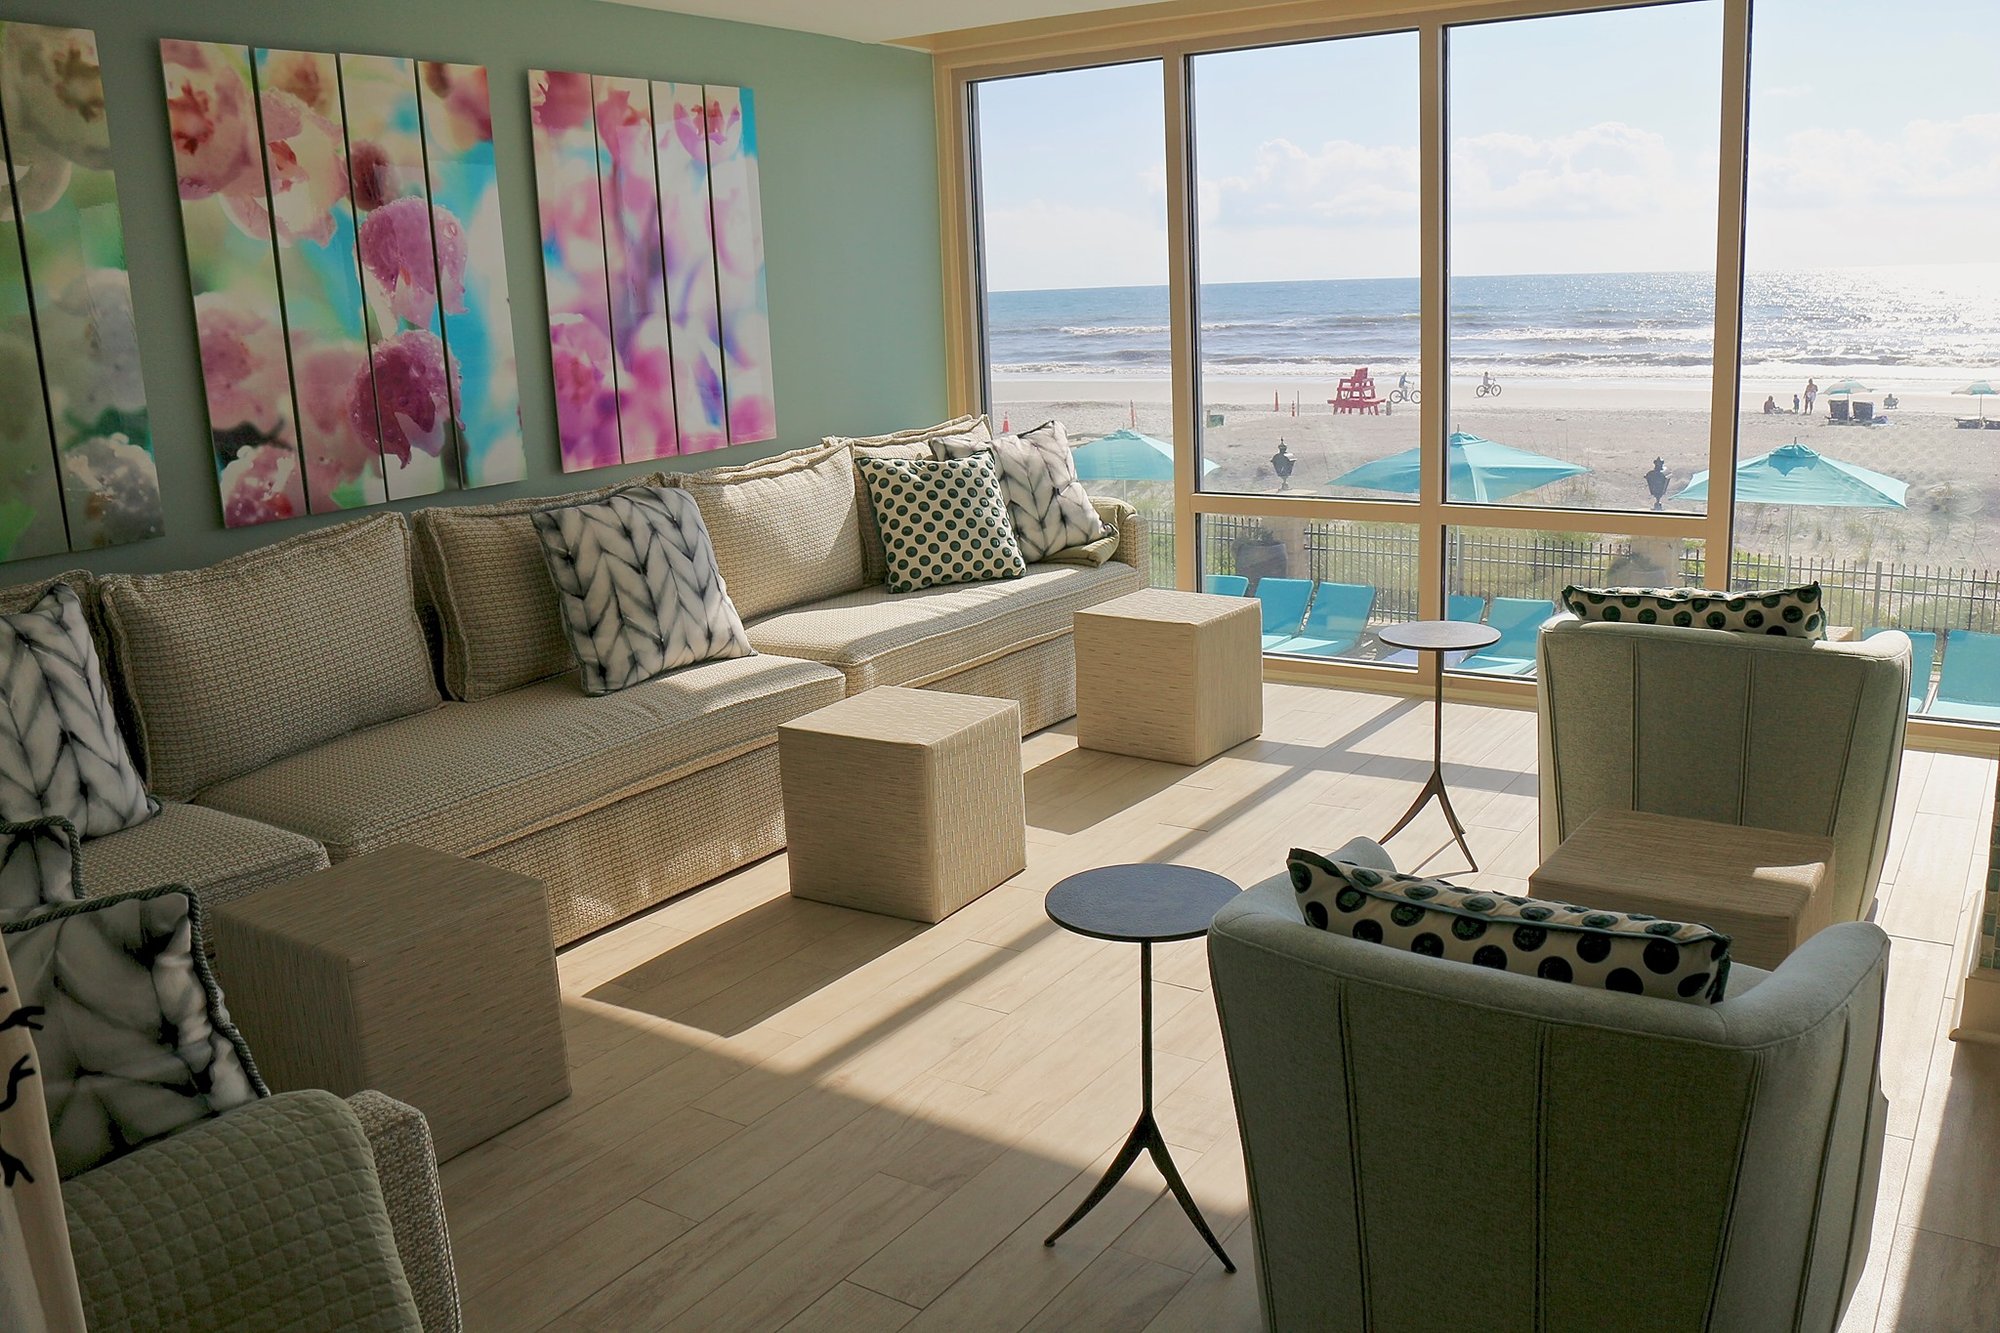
(400, 1138)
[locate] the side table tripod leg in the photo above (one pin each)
(1162, 1159)
(1142, 1135)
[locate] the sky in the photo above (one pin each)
(1581, 143)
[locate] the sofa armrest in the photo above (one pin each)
(1132, 546)
(400, 1138)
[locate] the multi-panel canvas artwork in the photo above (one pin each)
(76, 454)
(341, 219)
(653, 254)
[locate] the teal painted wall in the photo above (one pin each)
(849, 175)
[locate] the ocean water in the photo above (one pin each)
(1920, 326)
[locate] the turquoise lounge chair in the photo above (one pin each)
(1226, 585)
(1336, 622)
(1519, 620)
(1464, 606)
(1284, 607)
(1969, 686)
(1923, 655)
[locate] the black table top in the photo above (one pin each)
(1448, 636)
(1140, 904)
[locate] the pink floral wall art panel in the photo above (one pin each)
(226, 219)
(737, 207)
(680, 121)
(568, 165)
(464, 186)
(76, 456)
(633, 266)
(412, 269)
(306, 165)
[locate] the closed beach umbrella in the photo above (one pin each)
(1980, 389)
(1796, 475)
(1479, 471)
(1841, 388)
(1128, 455)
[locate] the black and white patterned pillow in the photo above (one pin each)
(640, 590)
(61, 753)
(942, 522)
(1797, 612)
(130, 1031)
(1620, 951)
(39, 866)
(1048, 506)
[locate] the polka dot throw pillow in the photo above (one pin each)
(1797, 612)
(942, 522)
(1620, 951)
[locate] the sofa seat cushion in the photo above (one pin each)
(270, 1217)
(219, 856)
(466, 777)
(876, 637)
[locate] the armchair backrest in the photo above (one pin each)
(1767, 732)
(1435, 1145)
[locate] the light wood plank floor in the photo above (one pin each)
(789, 1115)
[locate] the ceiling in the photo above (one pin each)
(880, 20)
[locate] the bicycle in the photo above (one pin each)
(1402, 395)
(1488, 389)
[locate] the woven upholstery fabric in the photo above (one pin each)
(466, 777)
(61, 751)
(1041, 678)
(406, 1167)
(875, 565)
(786, 529)
(624, 857)
(483, 576)
(215, 855)
(638, 585)
(1132, 548)
(876, 637)
(266, 1220)
(230, 667)
(969, 424)
(135, 1042)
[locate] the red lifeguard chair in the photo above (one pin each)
(1356, 393)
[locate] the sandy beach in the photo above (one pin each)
(1615, 428)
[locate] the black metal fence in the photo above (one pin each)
(1863, 593)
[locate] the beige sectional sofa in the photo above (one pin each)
(394, 680)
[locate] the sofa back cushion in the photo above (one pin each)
(786, 529)
(227, 668)
(483, 577)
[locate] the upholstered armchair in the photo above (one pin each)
(1433, 1146)
(1749, 729)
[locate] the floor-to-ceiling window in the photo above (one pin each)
(1456, 305)
(1073, 256)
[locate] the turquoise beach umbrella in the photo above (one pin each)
(1127, 455)
(1982, 390)
(1478, 471)
(1796, 475)
(1841, 388)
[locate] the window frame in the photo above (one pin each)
(961, 61)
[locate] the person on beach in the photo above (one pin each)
(1770, 405)
(1812, 392)
(1795, 404)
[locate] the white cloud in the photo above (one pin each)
(1341, 181)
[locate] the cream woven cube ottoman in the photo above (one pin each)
(426, 976)
(906, 802)
(1176, 676)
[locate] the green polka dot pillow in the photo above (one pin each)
(1797, 612)
(1621, 951)
(942, 522)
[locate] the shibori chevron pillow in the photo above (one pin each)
(61, 753)
(640, 589)
(1797, 612)
(1049, 508)
(942, 522)
(1631, 952)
